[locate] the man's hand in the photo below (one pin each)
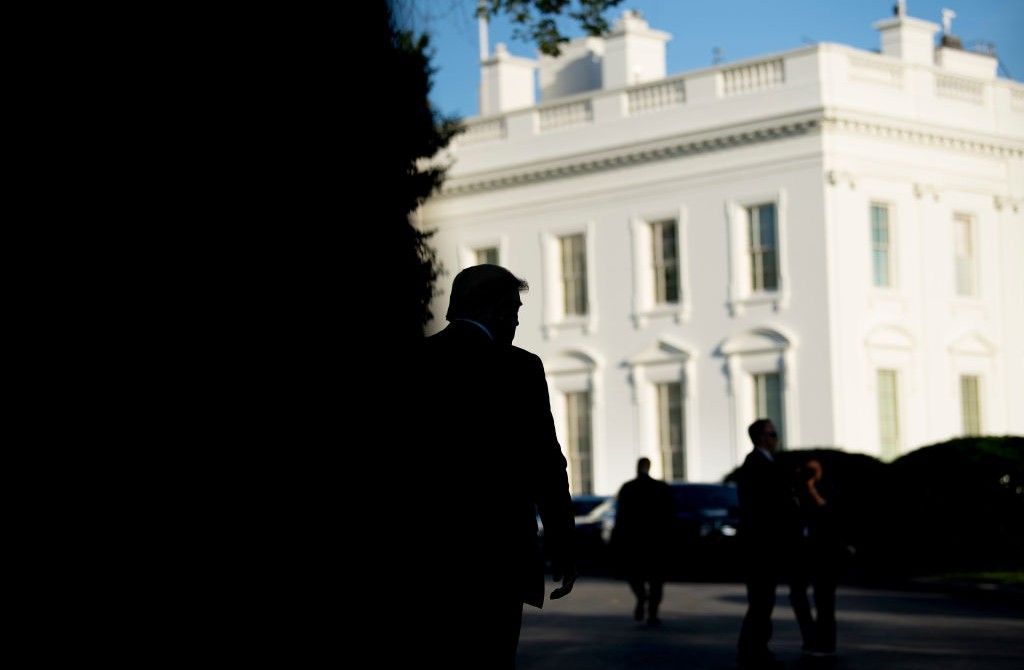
(568, 580)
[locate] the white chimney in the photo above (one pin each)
(577, 69)
(506, 82)
(633, 52)
(907, 38)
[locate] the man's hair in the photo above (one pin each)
(755, 429)
(478, 289)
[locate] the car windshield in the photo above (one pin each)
(693, 497)
(584, 506)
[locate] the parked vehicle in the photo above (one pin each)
(583, 505)
(703, 543)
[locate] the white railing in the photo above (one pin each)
(565, 116)
(753, 77)
(724, 81)
(876, 71)
(655, 97)
(484, 131)
(959, 88)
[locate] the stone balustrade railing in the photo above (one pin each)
(782, 79)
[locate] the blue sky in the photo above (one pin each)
(739, 28)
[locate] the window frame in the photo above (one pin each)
(579, 438)
(741, 292)
(573, 252)
(554, 319)
(665, 360)
(673, 451)
(763, 409)
(889, 441)
(575, 371)
(971, 424)
(970, 259)
(758, 351)
(889, 250)
(761, 255)
(646, 307)
(467, 251)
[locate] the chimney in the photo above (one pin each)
(909, 39)
(577, 69)
(633, 53)
(506, 82)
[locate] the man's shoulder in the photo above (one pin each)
(522, 360)
(755, 457)
(519, 353)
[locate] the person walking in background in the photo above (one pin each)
(817, 559)
(765, 534)
(644, 512)
(484, 452)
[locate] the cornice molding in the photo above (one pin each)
(720, 139)
(933, 137)
(676, 147)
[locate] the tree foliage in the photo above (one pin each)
(537, 20)
(414, 132)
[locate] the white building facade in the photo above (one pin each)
(830, 237)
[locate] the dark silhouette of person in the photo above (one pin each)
(765, 534)
(644, 512)
(817, 558)
(488, 462)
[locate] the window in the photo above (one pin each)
(574, 275)
(768, 401)
(963, 250)
(658, 258)
(881, 249)
(756, 227)
(970, 404)
(487, 255)
(579, 443)
(665, 248)
(671, 436)
(763, 244)
(888, 413)
(568, 306)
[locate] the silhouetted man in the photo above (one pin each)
(488, 461)
(644, 511)
(765, 534)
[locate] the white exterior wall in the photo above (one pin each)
(822, 131)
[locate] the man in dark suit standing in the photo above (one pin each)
(766, 515)
(489, 462)
(644, 512)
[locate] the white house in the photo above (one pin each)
(827, 236)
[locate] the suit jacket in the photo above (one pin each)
(767, 510)
(490, 463)
(644, 515)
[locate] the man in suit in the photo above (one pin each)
(644, 512)
(490, 462)
(765, 533)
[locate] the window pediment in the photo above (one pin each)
(889, 337)
(756, 341)
(972, 344)
(568, 362)
(664, 350)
